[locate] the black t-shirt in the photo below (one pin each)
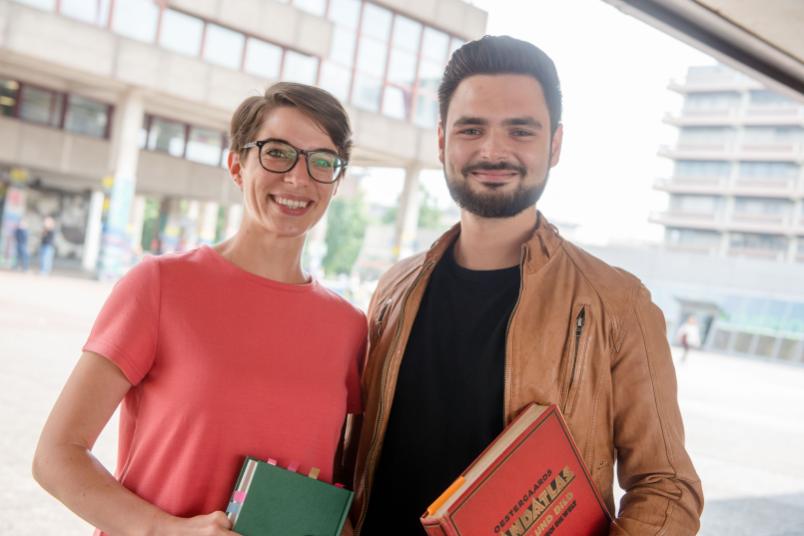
(448, 404)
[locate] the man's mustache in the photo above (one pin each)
(497, 166)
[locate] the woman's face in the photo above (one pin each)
(283, 204)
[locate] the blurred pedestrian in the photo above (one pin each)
(689, 336)
(21, 242)
(47, 249)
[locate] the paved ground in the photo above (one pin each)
(744, 418)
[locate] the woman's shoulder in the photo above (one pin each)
(344, 307)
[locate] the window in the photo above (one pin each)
(398, 99)
(223, 46)
(366, 92)
(181, 33)
(204, 146)
(300, 67)
(775, 170)
(344, 12)
(8, 96)
(263, 59)
(85, 116)
(706, 135)
(760, 206)
(371, 57)
(702, 168)
(786, 134)
(48, 5)
(714, 100)
(166, 136)
(316, 7)
(41, 106)
(693, 237)
(335, 79)
(92, 11)
(765, 98)
(695, 204)
(758, 241)
(343, 46)
(136, 19)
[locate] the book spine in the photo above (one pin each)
(435, 529)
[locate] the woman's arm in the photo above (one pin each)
(65, 467)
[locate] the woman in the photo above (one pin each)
(220, 352)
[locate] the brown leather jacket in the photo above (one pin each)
(610, 372)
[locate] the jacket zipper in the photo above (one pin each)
(579, 323)
(373, 450)
(507, 374)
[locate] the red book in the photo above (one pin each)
(530, 481)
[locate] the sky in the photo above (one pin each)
(614, 72)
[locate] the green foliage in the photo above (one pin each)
(429, 213)
(346, 228)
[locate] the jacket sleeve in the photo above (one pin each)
(663, 493)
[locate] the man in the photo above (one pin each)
(502, 312)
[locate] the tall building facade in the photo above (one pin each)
(113, 113)
(736, 195)
(737, 189)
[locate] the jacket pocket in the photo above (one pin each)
(574, 368)
(379, 322)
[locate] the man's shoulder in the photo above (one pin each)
(400, 271)
(612, 283)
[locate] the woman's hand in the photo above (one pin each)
(214, 524)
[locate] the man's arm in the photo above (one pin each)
(663, 492)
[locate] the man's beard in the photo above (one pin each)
(494, 204)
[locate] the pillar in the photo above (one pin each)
(407, 219)
(116, 243)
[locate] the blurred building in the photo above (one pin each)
(113, 113)
(733, 252)
(737, 188)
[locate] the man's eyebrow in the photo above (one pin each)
(465, 120)
(523, 122)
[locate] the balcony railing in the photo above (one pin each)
(680, 218)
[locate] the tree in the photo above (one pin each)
(429, 213)
(346, 228)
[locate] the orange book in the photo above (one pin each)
(530, 481)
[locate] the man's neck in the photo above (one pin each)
(493, 243)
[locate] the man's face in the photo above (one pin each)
(496, 145)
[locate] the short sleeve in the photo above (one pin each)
(126, 329)
(354, 402)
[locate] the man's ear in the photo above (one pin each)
(555, 145)
(441, 142)
(233, 163)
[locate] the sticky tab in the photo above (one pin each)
(270, 461)
(339, 485)
(233, 507)
(293, 466)
(239, 496)
(314, 473)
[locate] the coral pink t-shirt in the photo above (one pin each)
(225, 364)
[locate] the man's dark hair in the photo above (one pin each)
(501, 54)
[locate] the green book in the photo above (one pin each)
(268, 500)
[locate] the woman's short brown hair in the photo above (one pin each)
(317, 104)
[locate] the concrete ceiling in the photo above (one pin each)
(763, 38)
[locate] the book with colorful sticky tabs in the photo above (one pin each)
(269, 500)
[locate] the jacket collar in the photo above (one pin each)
(539, 248)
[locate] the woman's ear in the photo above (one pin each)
(233, 163)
